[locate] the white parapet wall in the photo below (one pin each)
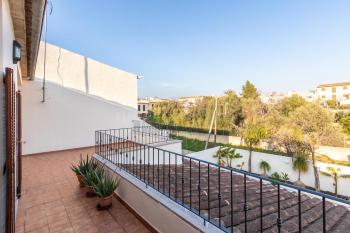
(68, 118)
(75, 71)
(280, 164)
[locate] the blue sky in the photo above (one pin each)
(203, 47)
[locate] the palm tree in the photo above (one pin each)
(230, 155)
(335, 173)
(253, 133)
(300, 164)
(265, 166)
(220, 154)
(227, 153)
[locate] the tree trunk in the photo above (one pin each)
(317, 178)
(250, 160)
(336, 186)
(299, 176)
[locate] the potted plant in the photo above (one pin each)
(104, 189)
(92, 176)
(82, 168)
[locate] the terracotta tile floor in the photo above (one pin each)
(53, 202)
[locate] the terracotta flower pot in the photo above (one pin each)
(90, 191)
(80, 179)
(105, 201)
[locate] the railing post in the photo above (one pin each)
(324, 214)
(261, 206)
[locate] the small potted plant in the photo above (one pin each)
(92, 176)
(104, 189)
(81, 169)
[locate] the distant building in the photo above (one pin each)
(145, 105)
(274, 97)
(188, 101)
(310, 95)
(338, 92)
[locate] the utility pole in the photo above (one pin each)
(213, 121)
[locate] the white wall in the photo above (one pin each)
(282, 164)
(68, 119)
(87, 75)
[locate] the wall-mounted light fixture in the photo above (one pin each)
(16, 52)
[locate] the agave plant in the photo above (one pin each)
(105, 186)
(84, 166)
(93, 175)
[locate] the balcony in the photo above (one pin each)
(53, 202)
(229, 199)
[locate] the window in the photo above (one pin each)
(345, 87)
(346, 96)
(138, 107)
(334, 89)
(144, 107)
(323, 97)
(323, 89)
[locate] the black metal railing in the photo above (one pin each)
(231, 199)
(143, 134)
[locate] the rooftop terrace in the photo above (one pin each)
(52, 201)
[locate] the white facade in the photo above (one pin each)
(189, 101)
(68, 118)
(338, 92)
(78, 72)
(146, 105)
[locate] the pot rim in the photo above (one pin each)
(107, 197)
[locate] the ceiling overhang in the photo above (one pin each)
(27, 17)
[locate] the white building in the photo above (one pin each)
(338, 92)
(188, 101)
(145, 105)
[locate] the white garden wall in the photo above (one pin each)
(68, 118)
(280, 164)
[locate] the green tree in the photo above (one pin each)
(316, 125)
(249, 91)
(345, 123)
(300, 165)
(335, 174)
(290, 104)
(265, 166)
(227, 154)
(252, 134)
(331, 103)
(289, 139)
(231, 155)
